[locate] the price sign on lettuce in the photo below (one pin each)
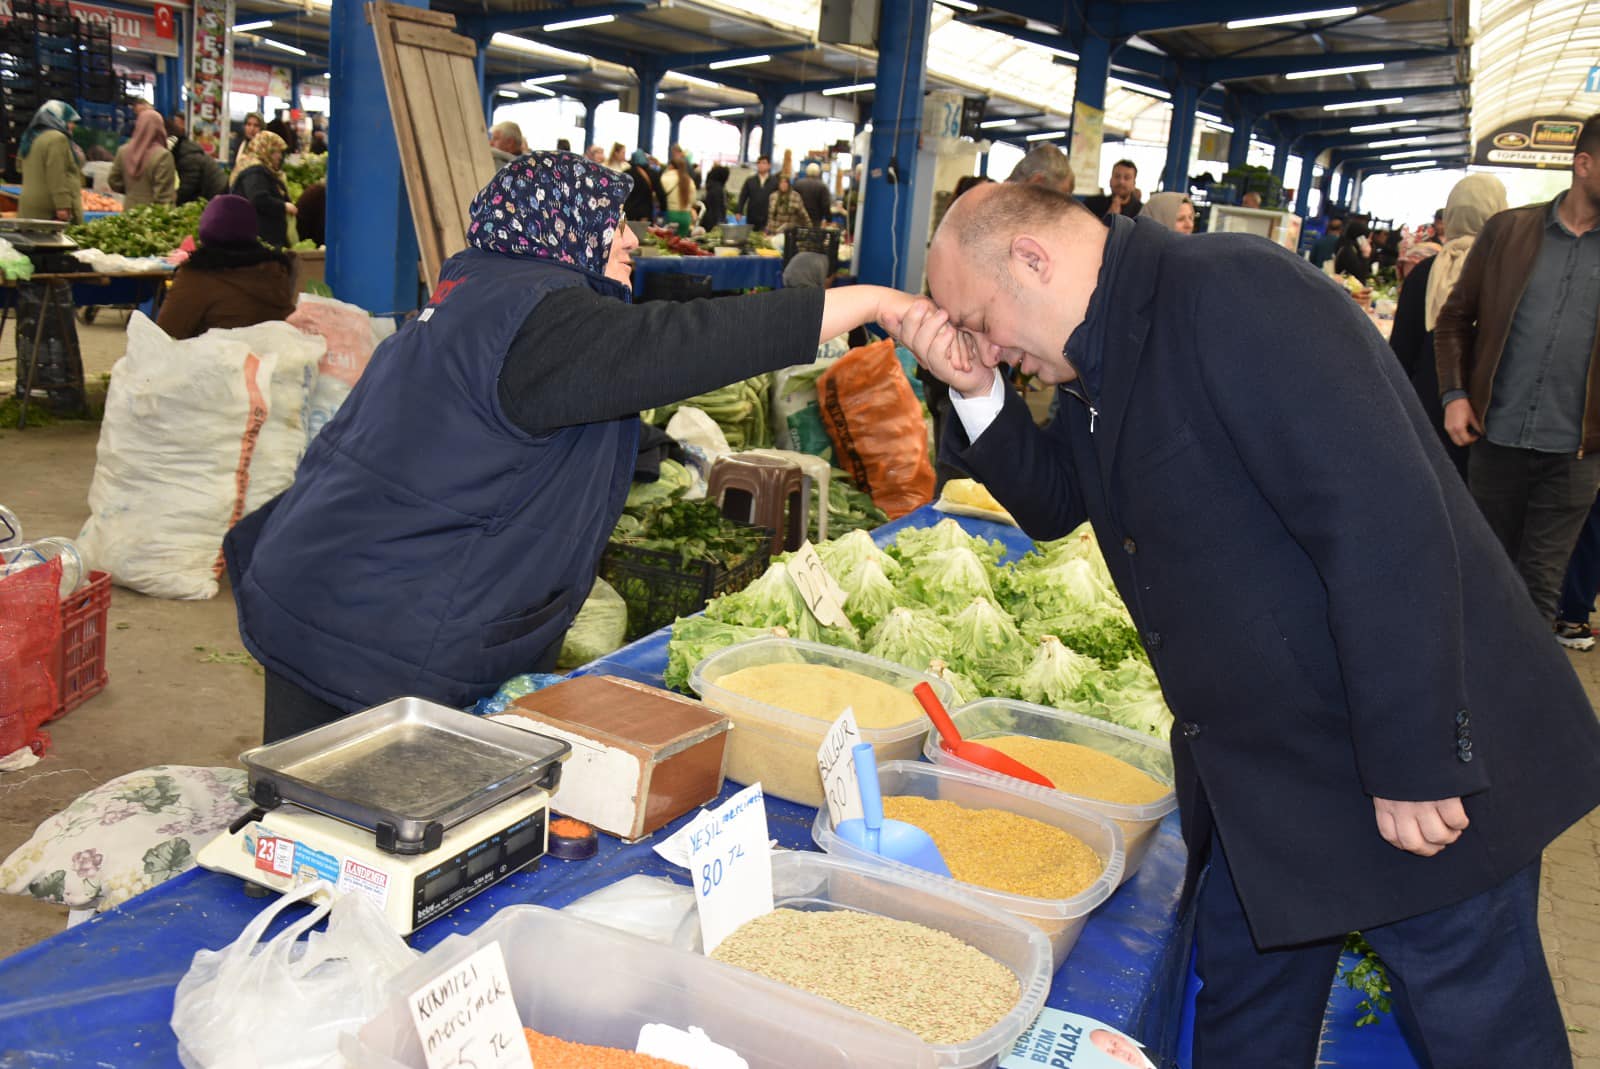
(817, 588)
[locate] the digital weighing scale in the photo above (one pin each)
(415, 805)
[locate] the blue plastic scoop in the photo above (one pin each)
(893, 839)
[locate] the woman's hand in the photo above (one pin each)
(944, 351)
(291, 208)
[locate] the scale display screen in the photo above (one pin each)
(478, 867)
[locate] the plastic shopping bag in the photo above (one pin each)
(283, 1003)
(878, 431)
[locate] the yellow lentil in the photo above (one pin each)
(1082, 770)
(1000, 850)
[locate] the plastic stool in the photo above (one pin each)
(765, 491)
(817, 470)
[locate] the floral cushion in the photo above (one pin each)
(125, 837)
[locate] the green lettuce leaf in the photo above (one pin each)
(910, 637)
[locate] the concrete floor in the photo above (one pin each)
(167, 702)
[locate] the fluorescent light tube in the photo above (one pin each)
(546, 79)
(269, 42)
(724, 64)
(1299, 16)
(1133, 87)
(1373, 127)
(995, 124)
(1347, 105)
(573, 24)
(1329, 72)
(1395, 142)
(724, 112)
(1046, 137)
(246, 27)
(841, 90)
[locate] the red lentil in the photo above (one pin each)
(552, 1053)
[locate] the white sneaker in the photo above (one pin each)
(1578, 637)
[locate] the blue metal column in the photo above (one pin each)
(674, 128)
(649, 85)
(480, 67)
(983, 165)
(1094, 67)
(1244, 124)
(372, 241)
(1302, 195)
(1180, 137)
(744, 139)
(1328, 199)
(294, 89)
(892, 158)
(1280, 157)
(769, 123)
(589, 107)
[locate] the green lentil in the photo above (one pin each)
(924, 980)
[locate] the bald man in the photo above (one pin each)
(1373, 729)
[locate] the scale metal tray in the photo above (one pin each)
(409, 770)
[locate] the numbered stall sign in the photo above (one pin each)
(839, 784)
(467, 1016)
(730, 861)
(817, 588)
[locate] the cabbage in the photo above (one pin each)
(984, 639)
(694, 638)
(1129, 694)
(600, 627)
(1065, 586)
(774, 601)
(1109, 639)
(1080, 544)
(869, 596)
(966, 690)
(909, 637)
(947, 580)
(844, 555)
(1053, 675)
(915, 543)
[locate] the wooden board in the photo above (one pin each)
(432, 86)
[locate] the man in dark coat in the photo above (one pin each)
(1373, 729)
(199, 176)
(755, 196)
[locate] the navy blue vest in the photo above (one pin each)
(428, 546)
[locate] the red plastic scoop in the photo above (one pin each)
(975, 752)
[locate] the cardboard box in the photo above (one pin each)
(641, 756)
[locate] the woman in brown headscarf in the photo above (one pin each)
(144, 170)
(260, 181)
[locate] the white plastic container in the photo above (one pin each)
(777, 748)
(1060, 919)
(590, 984)
(811, 881)
(991, 717)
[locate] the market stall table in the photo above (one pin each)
(728, 273)
(102, 993)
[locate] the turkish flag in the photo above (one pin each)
(165, 25)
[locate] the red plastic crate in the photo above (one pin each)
(82, 672)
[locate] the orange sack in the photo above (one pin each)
(876, 425)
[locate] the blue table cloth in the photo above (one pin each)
(727, 272)
(102, 993)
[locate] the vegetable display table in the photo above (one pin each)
(102, 993)
(727, 272)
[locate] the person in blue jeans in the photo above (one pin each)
(1579, 587)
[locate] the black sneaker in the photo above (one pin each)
(1579, 637)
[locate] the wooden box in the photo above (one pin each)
(641, 756)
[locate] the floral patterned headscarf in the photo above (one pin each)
(551, 206)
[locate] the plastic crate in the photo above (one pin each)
(659, 588)
(812, 239)
(82, 671)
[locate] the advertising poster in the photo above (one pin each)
(1534, 143)
(1088, 132)
(137, 31)
(209, 75)
(1062, 1040)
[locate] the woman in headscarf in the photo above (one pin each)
(1354, 256)
(231, 279)
(144, 170)
(1472, 201)
(445, 526)
(52, 179)
(715, 197)
(1175, 211)
(785, 209)
(641, 203)
(260, 181)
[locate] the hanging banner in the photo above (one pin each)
(210, 71)
(1540, 144)
(260, 80)
(1088, 134)
(137, 31)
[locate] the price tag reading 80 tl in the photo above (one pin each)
(730, 860)
(817, 588)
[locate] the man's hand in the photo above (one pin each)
(1461, 423)
(1422, 828)
(291, 209)
(925, 329)
(64, 215)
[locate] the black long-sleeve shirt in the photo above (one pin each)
(582, 357)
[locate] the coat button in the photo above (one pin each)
(1462, 718)
(1129, 546)
(1152, 640)
(1465, 754)
(1190, 729)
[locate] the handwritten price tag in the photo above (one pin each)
(467, 1017)
(817, 588)
(834, 761)
(730, 861)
